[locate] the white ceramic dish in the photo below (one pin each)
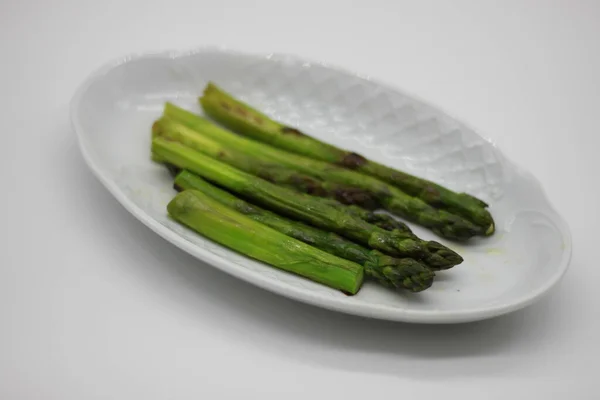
(113, 110)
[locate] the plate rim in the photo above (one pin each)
(279, 287)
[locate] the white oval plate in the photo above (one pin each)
(114, 108)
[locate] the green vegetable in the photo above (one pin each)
(172, 130)
(391, 198)
(234, 230)
(434, 254)
(391, 272)
(242, 118)
(296, 205)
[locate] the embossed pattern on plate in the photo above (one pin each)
(113, 110)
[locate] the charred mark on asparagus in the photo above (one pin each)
(291, 131)
(351, 195)
(312, 186)
(353, 161)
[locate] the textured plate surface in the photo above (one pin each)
(114, 108)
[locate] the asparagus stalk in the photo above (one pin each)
(383, 221)
(391, 198)
(242, 118)
(403, 273)
(232, 229)
(296, 205)
(435, 255)
(172, 130)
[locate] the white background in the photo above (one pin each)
(93, 305)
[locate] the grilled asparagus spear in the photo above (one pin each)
(234, 230)
(242, 118)
(389, 271)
